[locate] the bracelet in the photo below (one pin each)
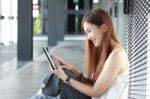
(81, 74)
(67, 80)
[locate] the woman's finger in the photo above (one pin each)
(55, 56)
(60, 73)
(59, 59)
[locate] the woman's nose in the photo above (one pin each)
(89, 36)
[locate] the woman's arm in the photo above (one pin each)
(66, 65)
(111, 68)
(81, 76)
(75, 71)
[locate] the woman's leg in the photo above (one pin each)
(68, 92)
(52, 87)
(42, 96)
(56, 86)
(49, 88)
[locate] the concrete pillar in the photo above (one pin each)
(25, 33)
(0, 24)
(52, 21)
(86, 5)
(43, 14)
(60, 22)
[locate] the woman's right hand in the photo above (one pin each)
(66, 65)
(62, 63)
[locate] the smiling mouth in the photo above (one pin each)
(94, 41)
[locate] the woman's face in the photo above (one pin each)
(94, 33)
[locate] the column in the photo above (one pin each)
(52, 22)
(60, 22)
(25, 33)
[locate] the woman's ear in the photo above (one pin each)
(104, 28)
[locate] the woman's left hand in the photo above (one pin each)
(60, 73)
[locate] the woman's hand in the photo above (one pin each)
(66, 65)
(60, 73)
(62, 63)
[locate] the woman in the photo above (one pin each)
(106, 60)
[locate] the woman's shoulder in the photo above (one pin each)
(118, 53)
(121, 57)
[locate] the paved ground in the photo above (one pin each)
(8, 60)
(7, 53)
(25, 82)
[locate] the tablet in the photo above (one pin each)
(46, 51)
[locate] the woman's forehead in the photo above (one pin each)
(87, 25)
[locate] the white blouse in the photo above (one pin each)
(119, 89)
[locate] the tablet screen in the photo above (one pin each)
(46, 51)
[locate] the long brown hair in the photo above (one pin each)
(96, 56)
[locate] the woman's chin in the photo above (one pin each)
(96, 45)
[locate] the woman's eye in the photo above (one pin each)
(88, 31)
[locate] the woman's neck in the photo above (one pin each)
(115, 45)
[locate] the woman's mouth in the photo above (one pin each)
(94, 41)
